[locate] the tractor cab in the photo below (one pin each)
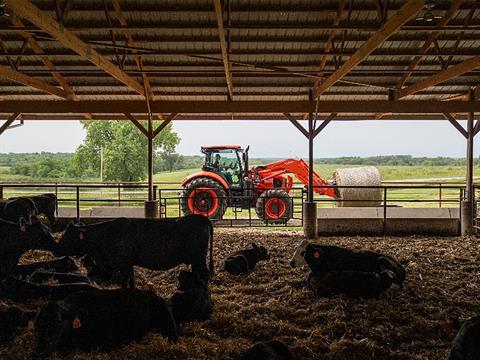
(228, 161)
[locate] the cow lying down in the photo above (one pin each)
(192, 301)
(12, 321)
(101, 320)
(244, 261)
(269, 350)
(466, 345)
(61, 265)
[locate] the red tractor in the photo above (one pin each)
(226, 180)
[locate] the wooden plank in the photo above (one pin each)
(18, 77)
(428, 42)
(45, 59)
(405, 13)
(27, 10)
(9, 121)
(325, 122)
(164, 124)
(223, 47)
(137, 124)
(456, 124)
(297, 124)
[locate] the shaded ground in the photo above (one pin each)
(273, 302)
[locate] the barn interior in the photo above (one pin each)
(310, 63)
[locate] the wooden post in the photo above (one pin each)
(310, 226)
(150, 158)
(311, 135)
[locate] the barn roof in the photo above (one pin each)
(239, 59)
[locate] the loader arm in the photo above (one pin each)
(299, 168)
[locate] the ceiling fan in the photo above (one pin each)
(428, 15)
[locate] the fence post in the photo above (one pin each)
(78, 203)
(384, 210)
(119, 196)
(440, 195)
(1, 192)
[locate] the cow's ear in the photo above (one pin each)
(23, 224)
(76, 323)
(81, 234)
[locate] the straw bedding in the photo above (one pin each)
(359, 176)
(273, 302)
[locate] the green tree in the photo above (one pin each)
(124, 150)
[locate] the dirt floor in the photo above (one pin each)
(273, 302)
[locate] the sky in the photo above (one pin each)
(267, 138)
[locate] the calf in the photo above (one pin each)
(41, 276)
(466, 345)
(157, 244)
(335, 258)
(18, 238)
(14, 209)
(62, 265)
(101, 320)
(12, 320)
(192, 301)
(21, 290)
(269, 350)
(45, 204)
(356, 284)
(244, 261)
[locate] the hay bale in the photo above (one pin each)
(359, 176)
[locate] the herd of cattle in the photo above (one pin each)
(81, 316)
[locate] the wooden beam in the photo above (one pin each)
(225, 107)
(45, 59)
(450, 73)
(8, 122)
(130, 42)
(223, 47)
(296, 124)
(164, 124)
(428, 42)
(10, 74)
(405, 13)
(137, 124)
(324, 123)
(27, 10)
(456, 124)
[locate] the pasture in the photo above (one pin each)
(273, 302)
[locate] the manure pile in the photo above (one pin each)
(273, 302)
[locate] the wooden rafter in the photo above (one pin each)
(442, 76)
(428, 42)
(405, 13)
(44, 58)
(223, 47)
(164, 124)
(130, 42)
(456, 124)
(324, 123)
(9, 122)
(30, 81)
(27, 10)
(296, 124)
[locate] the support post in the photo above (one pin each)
(467, 206)
(310, 226)
(151, 205)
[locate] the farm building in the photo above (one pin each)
(313, 62)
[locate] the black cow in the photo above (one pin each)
(356, 284)
(466, 345)
(335, 258)
(269, 350)
(14, 209)
(12, 321)
(62, 265)
(18, 238)
(21, 290)
(46, 204)
(101, 320)
(192, 301)
(157, 244)
(244, 261)
(41, 276)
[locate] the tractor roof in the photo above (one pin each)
(213, 147)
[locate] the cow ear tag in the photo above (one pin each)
(76, 324)
(316, 254)
(82, 235)
(31, 325)
(23, 227)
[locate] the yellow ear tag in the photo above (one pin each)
(23, 228)
(82, 235)
(77, 324)
(31, 325)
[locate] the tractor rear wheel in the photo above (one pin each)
(274, 207)
(204, 196)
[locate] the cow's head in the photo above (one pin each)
(38, 234)
(298, 258)
(73, 241)
(261, 252)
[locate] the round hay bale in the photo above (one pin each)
(358, 176)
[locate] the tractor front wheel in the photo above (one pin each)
(205, 197)
(274, 207)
